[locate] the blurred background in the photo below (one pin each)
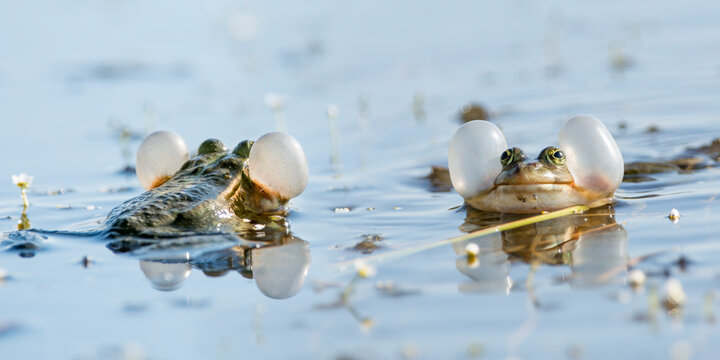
(373, 91)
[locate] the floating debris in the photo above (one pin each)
(114, 190)
(652, 129)
(87, 261)
(439, 179)
(368, 244)
(712, 150)
(53, 192)
(191, 303)
(3, 275)
(388, 288)
(674, 296)
(472, 112)
(682, 263)
(674, 216)
(636, 278)
(320, 286)
(342, 210)
(129, 70)
(134, 307)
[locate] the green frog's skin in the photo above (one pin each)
(531, 186)
(212, 193)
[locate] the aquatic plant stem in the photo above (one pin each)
(279, 117)
(23, 194)
(475, 234)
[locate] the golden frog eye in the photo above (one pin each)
(507, 157)
(553, 155)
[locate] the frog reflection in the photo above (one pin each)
(279, 265)
(592, 244)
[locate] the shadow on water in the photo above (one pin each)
(590, 244)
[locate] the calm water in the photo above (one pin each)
(74, 73)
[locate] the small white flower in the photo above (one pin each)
(674, 295)
(22, 180)
(637, 278)
(364, 270)
(333, 111)
(472, 249)
(274, 101)
(366, 325)
(674, 216)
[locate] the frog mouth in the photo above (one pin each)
(539, 185)
(535, 187)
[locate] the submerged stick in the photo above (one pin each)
(493, 229)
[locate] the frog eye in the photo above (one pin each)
(506, 157)
(553, 155)
(593, 157)
(210, 146)
(277, 161)
(159, 157)
(474, 157)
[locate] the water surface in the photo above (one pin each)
(74, 75)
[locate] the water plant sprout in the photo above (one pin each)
(276, 103)
(23, 181)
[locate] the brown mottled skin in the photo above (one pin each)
(211, 193)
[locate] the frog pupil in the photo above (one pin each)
(559, 154)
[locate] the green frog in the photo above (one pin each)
(213, 192)
(586, 169)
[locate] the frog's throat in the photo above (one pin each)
(536, 198)
(247, 196)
